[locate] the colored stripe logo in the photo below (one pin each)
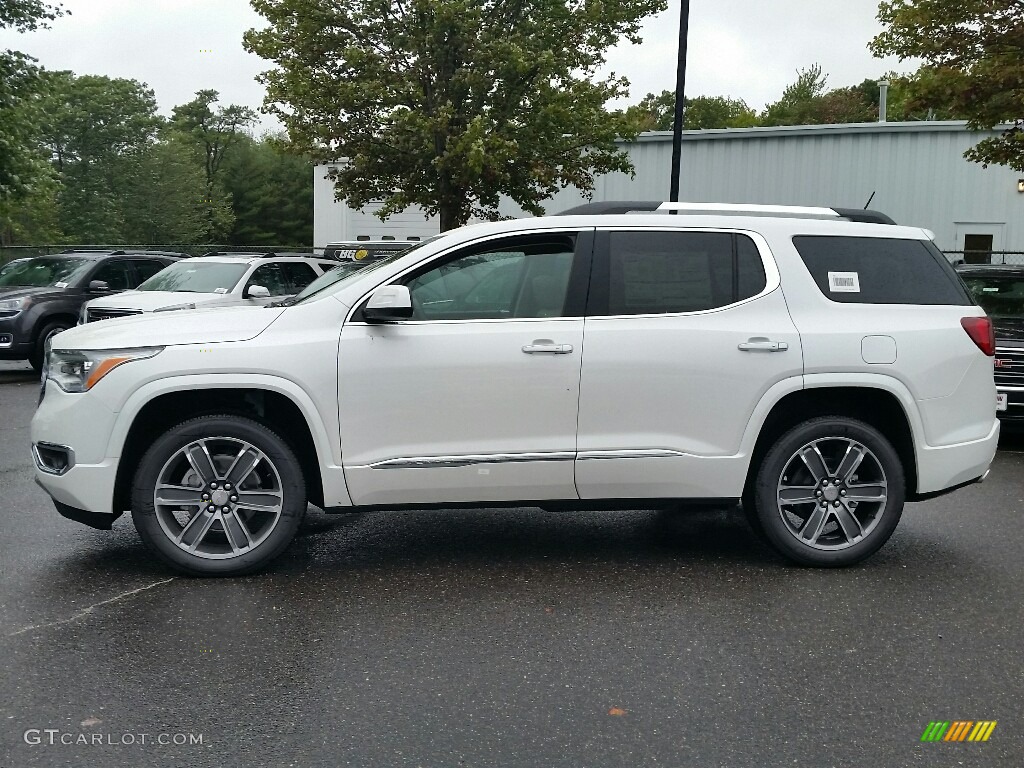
(959, 730)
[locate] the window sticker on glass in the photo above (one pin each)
(844, 282)
(60, 285)
(220, 290)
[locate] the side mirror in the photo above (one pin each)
(388, 303)
(257, 292)
(98, 286)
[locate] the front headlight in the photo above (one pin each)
(11, 307)
(79, 370)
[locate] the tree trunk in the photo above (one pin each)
(448, 212)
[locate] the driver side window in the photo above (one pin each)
(528, 279)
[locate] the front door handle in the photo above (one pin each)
(762, 345)
(547, 347)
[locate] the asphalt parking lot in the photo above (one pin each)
(509, 638)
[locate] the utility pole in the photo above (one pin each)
(677, 125)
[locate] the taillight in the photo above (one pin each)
(981, 332)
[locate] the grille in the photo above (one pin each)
(1009, 367)
(99, 313)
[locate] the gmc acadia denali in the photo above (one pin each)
(815, 366)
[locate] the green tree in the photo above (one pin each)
(166, 189)
(808, 101)
(799, 100)
(21, 165)
(449, 104)
(33, 217)
(96, 130)
(214, 133)
(973, 54)
(271, 192)
(656, 112)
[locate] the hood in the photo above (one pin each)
(20, 291)
(165, 329)
(149, 301)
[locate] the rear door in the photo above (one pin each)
(685, 331)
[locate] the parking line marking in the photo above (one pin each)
(86, 611)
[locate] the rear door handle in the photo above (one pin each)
(762, 345)
(547, 347)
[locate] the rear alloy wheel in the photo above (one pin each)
(220, 495)
(830, 492)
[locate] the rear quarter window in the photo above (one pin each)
(877, 270)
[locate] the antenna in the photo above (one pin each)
(870, 199)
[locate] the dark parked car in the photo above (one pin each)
(42, 296)
(999, 289)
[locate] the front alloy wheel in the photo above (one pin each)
(830, 492)
(221, 495)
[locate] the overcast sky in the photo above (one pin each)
(748, 49)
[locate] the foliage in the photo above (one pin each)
(656, 112)
(27, 15)
(32, 218)
(167, 199)
(213, 131)
(271, 192)
(449, 104)
(96, 129)
(973, 54)
(21, 165)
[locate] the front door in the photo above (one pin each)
(475, 398)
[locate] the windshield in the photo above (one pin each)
(347, 269)
(58, 271)
(999, 295)
(191, 276)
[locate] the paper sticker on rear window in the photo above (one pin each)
(843, 282)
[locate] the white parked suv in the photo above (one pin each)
(224, 279)
(818, 369)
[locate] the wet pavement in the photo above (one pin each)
(509, 638)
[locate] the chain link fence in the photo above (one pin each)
(12, 252)
(985, 257)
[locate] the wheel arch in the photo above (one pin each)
(877, 406)
(292, 417)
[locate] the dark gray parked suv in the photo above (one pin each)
(42, 296)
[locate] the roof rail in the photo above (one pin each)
(649, 206)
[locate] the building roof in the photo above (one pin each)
(778, 131)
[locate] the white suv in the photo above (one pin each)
(819, 370)
(214, 280)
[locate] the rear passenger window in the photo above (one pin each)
(666, 272)
(877, 270)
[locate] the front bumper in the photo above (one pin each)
(15, 343)
(83, 426)
(1013, 416)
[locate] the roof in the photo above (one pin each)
(234, 258)
(915, 126)
(690, 209)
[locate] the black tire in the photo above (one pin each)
(39, 351)
(277, 474)
(848, 519)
